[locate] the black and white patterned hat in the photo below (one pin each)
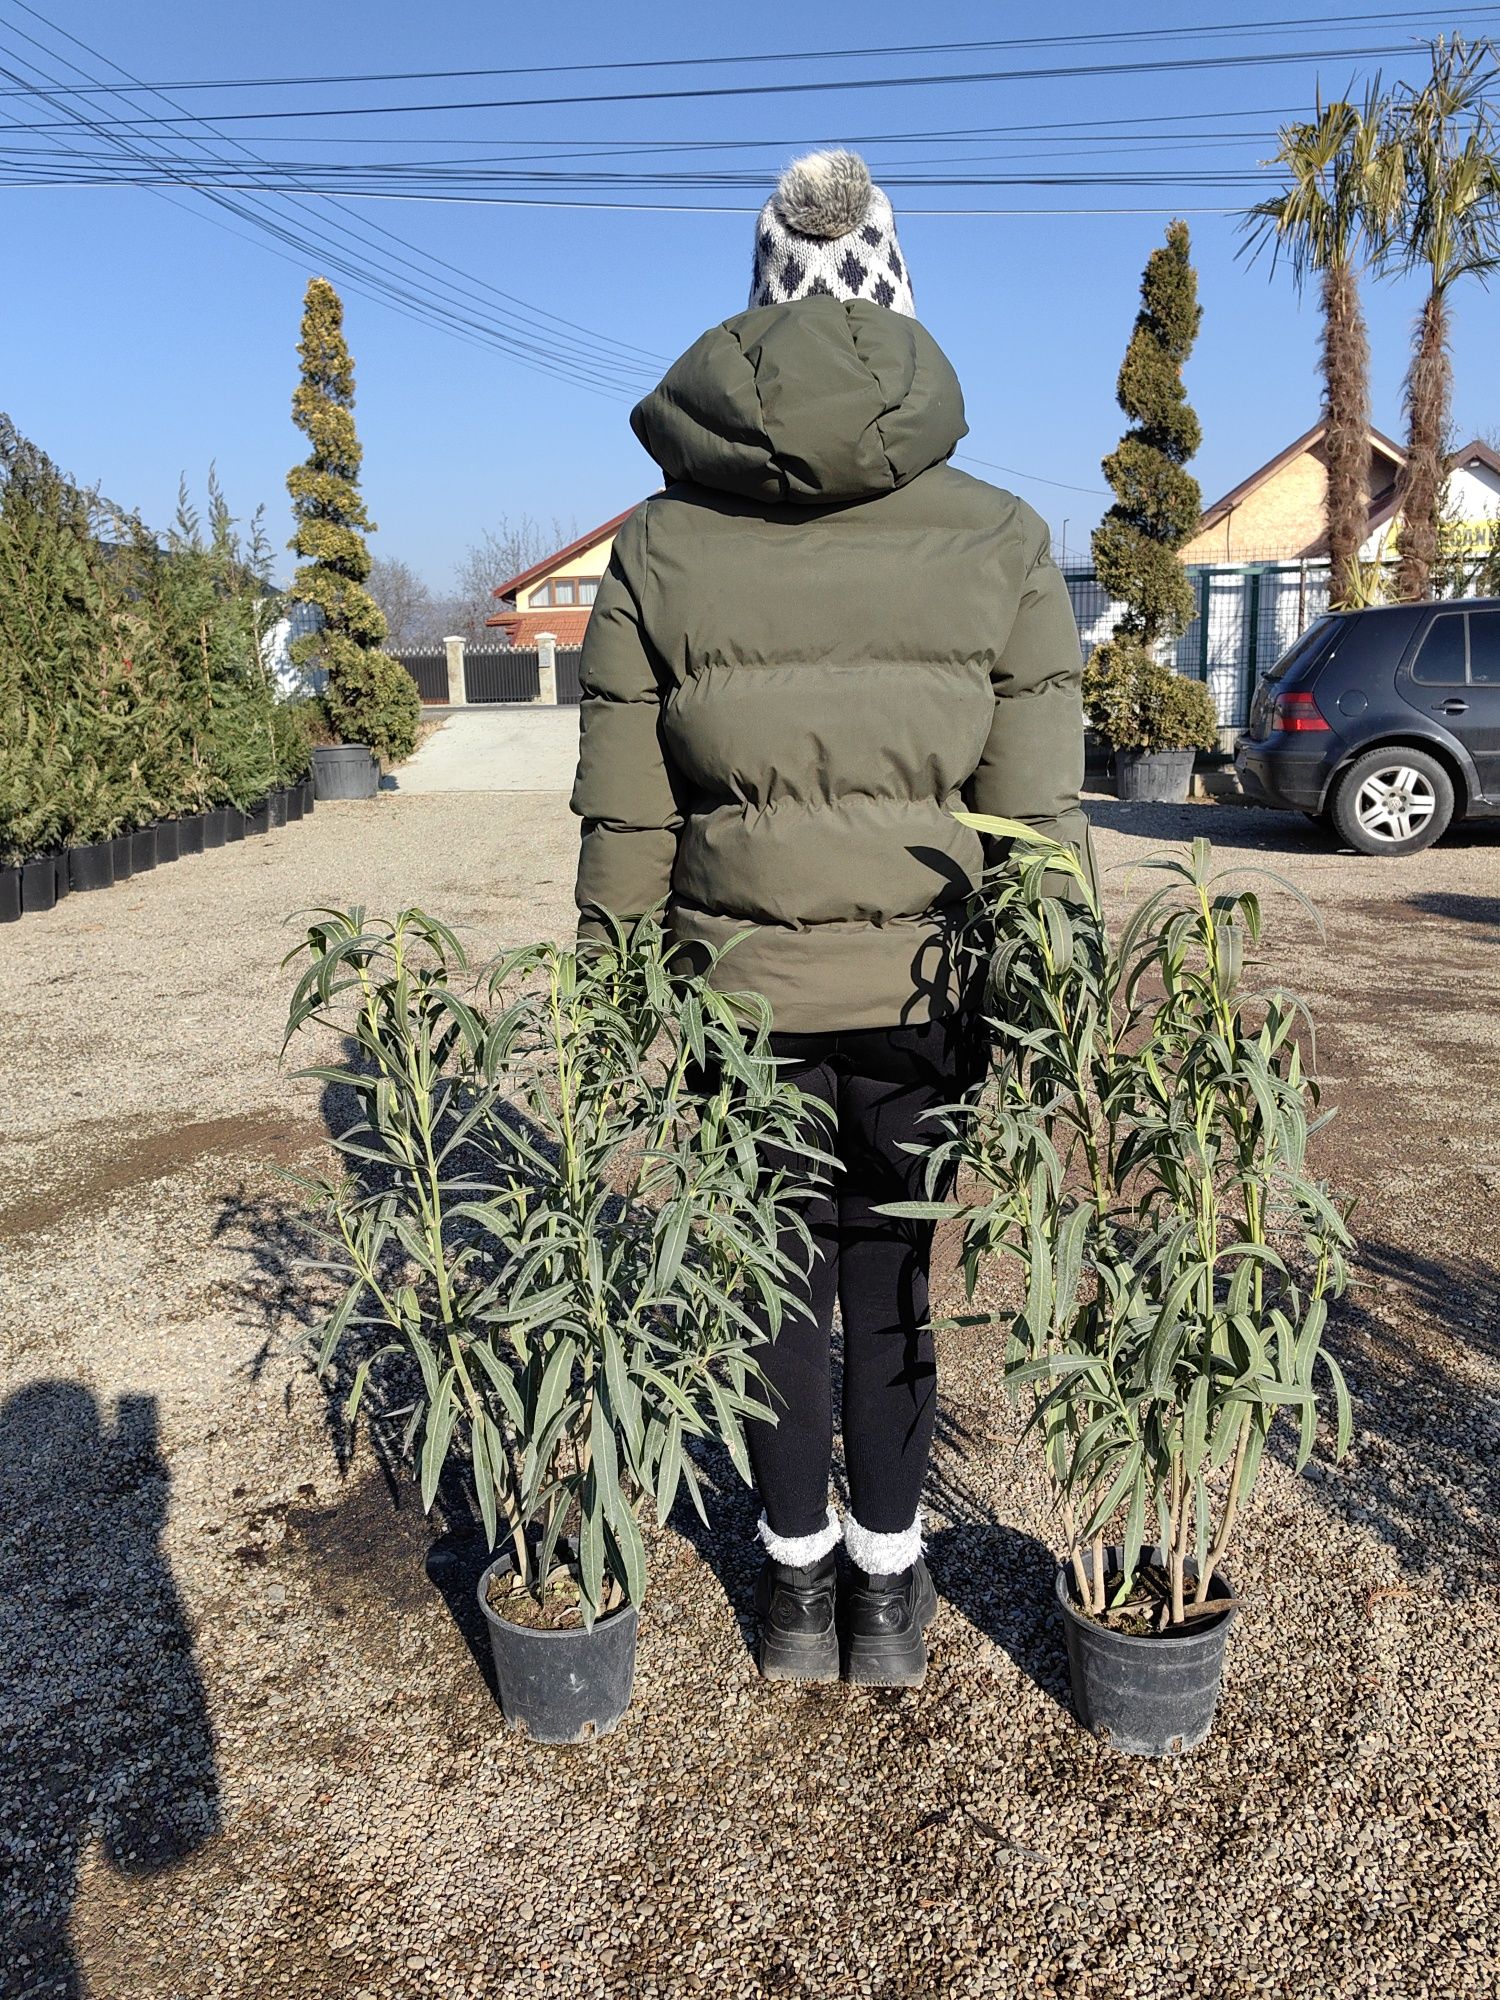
(829, 229)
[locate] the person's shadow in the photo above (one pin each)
(104, 1727)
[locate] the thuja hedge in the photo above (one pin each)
(133, 681)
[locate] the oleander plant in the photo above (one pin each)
(1140, 1153)
(555, 1213)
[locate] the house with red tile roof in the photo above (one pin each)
(557, 594)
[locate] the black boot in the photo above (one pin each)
(798, 1632)
(883, 1621)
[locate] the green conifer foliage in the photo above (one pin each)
(1157, 508)
(134, 682)
(369, 698)
(1158, 502)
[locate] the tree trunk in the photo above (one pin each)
(1346, 441)
(1429, 386)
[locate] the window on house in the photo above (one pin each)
(562, 590)
(540, 598)
(588, 589)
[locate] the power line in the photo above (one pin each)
(1070, 72)
(602, 342)
(1061, 129)
(594, 363)
(1300, 24)
(1035, 478)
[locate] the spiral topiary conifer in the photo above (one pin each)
(1158, 502)
(369, 698)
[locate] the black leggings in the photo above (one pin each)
(875, 1085)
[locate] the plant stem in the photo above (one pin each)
(1215, 1555)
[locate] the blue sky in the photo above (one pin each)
(138, 340)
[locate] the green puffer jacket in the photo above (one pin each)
(812, 647)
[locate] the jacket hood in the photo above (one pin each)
(823, 399)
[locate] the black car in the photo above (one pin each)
(1385, 723)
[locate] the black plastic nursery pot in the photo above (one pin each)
(142, 849)
(308, 800)
(120, 857)
(1147, 1697)
(276, 805)
(39, 883)
(1156, 777)
(168, 840)
(234, 823)
(214, 822)
(190, 834)
(292, 796)
(10, 895)
(258, 818)
(565, 1686)
(345, 771)
(92, 866)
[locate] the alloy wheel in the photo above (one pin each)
(1395, 803)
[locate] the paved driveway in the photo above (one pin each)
(504, 747)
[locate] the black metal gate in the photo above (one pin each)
(428, 667)
(568, 688)
(501, 673)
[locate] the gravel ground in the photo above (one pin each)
(246, 1748)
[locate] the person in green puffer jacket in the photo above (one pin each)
(817, 642)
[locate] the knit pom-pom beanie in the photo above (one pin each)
(828, 229)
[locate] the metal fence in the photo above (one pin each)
(428, 667)
(502, 673)
(568, 689)
(1246, 618)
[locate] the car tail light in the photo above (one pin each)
(1296, 713)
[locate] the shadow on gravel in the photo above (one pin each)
(1001, 1580)
(1462, 909)
(375, 1541)
(1423, 1475)
(1173, 826)
(104, 1731)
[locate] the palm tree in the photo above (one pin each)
(1449, 144)
(1330, 220)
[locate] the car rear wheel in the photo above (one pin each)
(1393, 801)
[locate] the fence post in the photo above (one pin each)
(546, 672)
(458, 693)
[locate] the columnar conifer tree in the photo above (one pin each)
(1133, 697)
(368, 699)
(1158, 501)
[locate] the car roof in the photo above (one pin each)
(1423, 604)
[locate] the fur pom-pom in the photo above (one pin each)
(824, 194)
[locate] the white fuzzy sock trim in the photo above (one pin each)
(797, 1551)
(883, 1555)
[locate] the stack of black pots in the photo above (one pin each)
(43, 881)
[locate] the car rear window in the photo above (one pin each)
(1484, 646)
(1440, 658)
(1303, 652)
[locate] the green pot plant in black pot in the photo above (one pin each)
(553, 1215)
(1153, 718)
(1140, 1151)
